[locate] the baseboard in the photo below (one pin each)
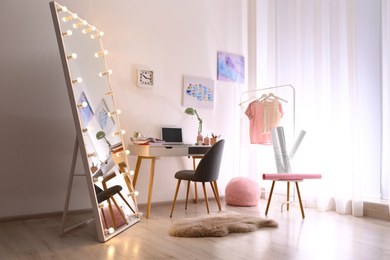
(81, 211)
(43, 215)
(376, 210)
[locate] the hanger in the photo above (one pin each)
(271, 95)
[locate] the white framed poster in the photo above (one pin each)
(198, 92)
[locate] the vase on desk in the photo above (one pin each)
(206, 140)
(199, 139)
(213, 140)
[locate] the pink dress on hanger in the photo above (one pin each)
(263, 116)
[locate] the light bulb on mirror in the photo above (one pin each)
(67, 33)
(83, 104)
(113, 113)
(109, 231)
(86, 129)
(90, 155)
(78, 80)
(119, 132)
(73, 56)
(103, 204)
(109, 72)
(62, 9)
(93, 36)
(76, 25)
(127, 152)
(135, 193)
(92, 28)
(98, 179)
(70, 17)
(98, 54)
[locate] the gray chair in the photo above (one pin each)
(207, 171)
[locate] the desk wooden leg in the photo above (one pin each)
(137, 167)
(150, 187)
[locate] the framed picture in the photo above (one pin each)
(106, 123)
(86, 112)
(198, 92)
(231, 67)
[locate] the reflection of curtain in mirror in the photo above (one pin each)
(311, 45)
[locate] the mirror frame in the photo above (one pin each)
(103, 234)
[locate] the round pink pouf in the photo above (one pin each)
(242, 191)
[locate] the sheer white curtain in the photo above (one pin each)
(312, 45)
(386, 97)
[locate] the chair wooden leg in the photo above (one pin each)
(104, 217)
(196, 192)
(118, 208)
(288, 195)
(174, 200)
(214, 187)
(300, 201)
(205, 197)
(112, 214)
(188, 191)
(123, 198)
(196, 188)
(270, 196)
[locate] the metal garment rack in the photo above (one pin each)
(269, 88)
(293, 119)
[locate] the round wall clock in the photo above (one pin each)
(146, 78)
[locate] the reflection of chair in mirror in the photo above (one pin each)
(106, 195)
(207, 171)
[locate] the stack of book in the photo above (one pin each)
(116, 148)
(146, 140)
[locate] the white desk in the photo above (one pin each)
(153, 151)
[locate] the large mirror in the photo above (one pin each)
(99, 135)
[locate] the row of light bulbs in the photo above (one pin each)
(85, 104)
(98, 54)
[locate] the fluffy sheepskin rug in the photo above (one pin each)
(218, 225)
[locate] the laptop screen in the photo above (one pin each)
(172, 134)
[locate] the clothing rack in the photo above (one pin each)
(269, 88)
(293, 117)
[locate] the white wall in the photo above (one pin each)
(174, 37)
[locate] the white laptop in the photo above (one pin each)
(172, 135)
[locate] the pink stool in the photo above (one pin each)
(242, 191)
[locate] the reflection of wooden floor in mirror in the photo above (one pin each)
(322, 235)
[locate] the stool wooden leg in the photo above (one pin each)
(205, 197)
(174, 200)
(270, 196)
(288, 195)
(300, 201)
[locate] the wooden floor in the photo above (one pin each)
(321, 235)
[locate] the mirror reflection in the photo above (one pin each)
(84, 60)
